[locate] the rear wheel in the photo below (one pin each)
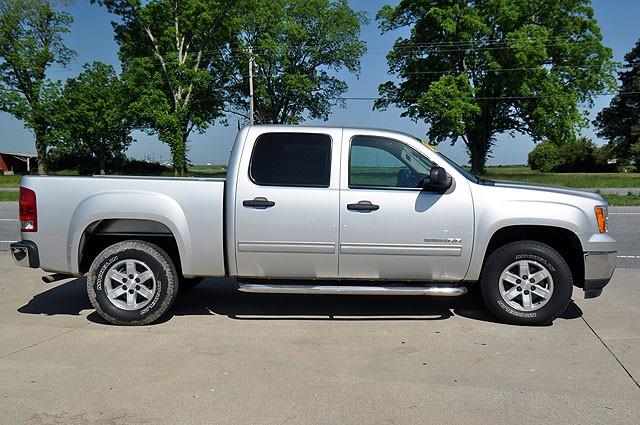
(132, 283)
(526, 282)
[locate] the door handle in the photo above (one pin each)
(259, 202)
(364, 206)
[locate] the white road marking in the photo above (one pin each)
(9, 219)
(8, 241)
(630, 256)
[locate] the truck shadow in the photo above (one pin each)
(220, 297)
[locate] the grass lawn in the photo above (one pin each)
(578, 180)
(10, 181)
(622, 200)
(207, 171)
(9, 196)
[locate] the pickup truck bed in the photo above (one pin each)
(72, 209)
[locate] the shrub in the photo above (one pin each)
(572, 156)
(545, 157)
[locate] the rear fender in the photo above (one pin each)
(139, 205)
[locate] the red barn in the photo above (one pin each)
(18, 162)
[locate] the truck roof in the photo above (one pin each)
(291, 128)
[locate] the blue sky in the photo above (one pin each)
(91, 37)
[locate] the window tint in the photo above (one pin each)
(291, 159)
(382, 162)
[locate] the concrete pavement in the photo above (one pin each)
(225, 357)
(9, 226)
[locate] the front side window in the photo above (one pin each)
(291, 159)
(383, 162)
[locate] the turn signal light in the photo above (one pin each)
(28, 210)
(601, 217)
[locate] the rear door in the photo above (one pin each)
(287, 204)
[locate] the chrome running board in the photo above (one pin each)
(438, 291)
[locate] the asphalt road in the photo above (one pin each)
(225, 357)
(624, 224)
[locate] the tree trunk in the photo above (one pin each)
(478, 155)
(41, 149)
(179, 155)
(479, 140)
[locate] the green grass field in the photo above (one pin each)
(578, 180)
(207, 171)
(10, 181)
(622, 200)
(9, 196)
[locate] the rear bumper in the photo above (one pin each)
(598, 269)
(25, 254)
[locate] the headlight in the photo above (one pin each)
(602, 216)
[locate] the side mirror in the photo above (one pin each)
(438, 180)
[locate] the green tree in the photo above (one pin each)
(473, 70)
(545, 157)
(577, 155)
(619, 123)
(30, 41)
(296, 45)
(174, 58)
(91, 117)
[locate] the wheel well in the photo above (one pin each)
(103, 233)
(562, 240)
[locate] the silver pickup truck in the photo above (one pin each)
(315, 210)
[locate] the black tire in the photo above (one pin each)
(163, 283)
(536, 253)
(188, 283)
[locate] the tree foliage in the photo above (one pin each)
(91, 118)
(473, 70)
(620, 121)
(296, 45)
(30, 41)
(174, 57)
(570, 156)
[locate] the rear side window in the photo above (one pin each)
(291, 159)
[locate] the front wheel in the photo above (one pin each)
(132, 283)
(527, 283)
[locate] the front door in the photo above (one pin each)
(287, 206)
(392, 229)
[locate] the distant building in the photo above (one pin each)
(18, 162)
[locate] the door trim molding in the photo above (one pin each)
(449, 250)
(288, 247)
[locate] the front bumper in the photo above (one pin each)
(598, 269)
(25, 254)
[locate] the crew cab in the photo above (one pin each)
(319, 210)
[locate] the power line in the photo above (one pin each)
(496, 98)
(480, 40)
(499, 70)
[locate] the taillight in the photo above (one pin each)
(28, 210)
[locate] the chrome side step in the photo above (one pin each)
(438, 291)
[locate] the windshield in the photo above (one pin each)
(459, 169)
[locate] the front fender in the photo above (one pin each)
(498, 215)
(129, 204)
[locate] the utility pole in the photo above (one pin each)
(250, 86)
